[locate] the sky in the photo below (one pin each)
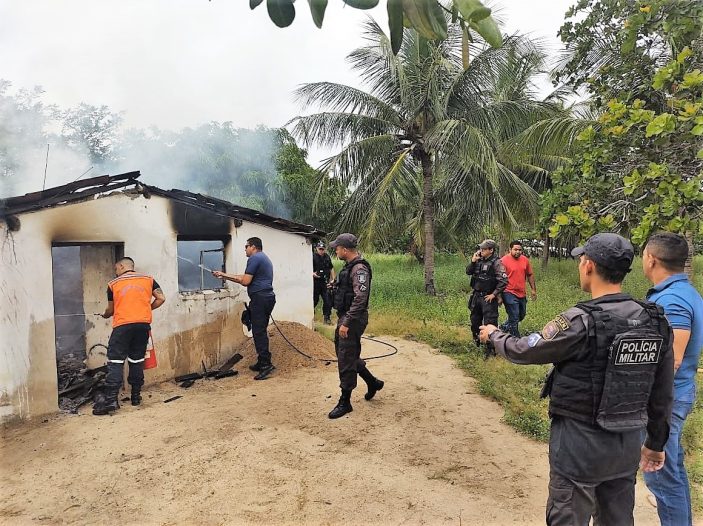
(178, 63)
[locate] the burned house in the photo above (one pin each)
(57, 253)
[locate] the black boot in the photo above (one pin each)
(106, 403)
(373, 383)
(343, 406)
(265, 369)
(477, 341)
(328, 320)
(136, 395)
(489, 351)
(256, 367)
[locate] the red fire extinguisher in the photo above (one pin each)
(150, 356)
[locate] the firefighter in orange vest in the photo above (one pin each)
(129, 303)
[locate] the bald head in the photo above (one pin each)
(123, 265)
(127, 262)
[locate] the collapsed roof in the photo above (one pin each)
(87, 188)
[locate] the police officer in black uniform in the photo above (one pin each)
(323, 277)
(488, 281)
(612, 378)
(351, 300)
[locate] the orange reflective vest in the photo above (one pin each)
(131, 294)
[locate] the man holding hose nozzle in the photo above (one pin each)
(351, 300)
(258, 279)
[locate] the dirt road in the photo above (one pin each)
(428, 450)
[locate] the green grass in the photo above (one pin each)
(400, 307)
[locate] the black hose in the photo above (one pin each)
(94, 346)
(329, 360)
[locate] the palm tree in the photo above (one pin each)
(430, 141)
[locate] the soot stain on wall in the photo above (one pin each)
(188, 220)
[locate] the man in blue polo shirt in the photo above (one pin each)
(258, 279)
(663, 262)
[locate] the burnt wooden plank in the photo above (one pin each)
(70, 187)
(75, 196)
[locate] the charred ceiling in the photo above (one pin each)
(190, 220)
(192, 214)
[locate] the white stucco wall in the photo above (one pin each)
(291, 256)
(187, 329)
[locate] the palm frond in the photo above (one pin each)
(503, 73)
(338, 98)
(546, 143)
(461, 147)
(358, 159)
(336, 129)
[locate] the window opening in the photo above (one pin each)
(196, 261)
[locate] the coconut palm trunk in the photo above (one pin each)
(429, 152)
(428, 219)
(688, 266)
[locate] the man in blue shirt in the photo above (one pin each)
(663, 262)
(258, 279)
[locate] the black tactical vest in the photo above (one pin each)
(344, 289)
(320, 265)
(611, 386)
(484, 277)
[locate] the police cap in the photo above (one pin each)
(608, 250)
(345, 240)
(488, 243)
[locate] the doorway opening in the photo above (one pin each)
(80, 273)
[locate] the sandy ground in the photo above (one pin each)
(428, 450)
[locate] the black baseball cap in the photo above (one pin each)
(320, 244)
(488, 243)
(345, 240)
(608, 250)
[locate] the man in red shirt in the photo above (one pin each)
(519, 270)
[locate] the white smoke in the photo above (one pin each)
(27, 127)
(217, 159)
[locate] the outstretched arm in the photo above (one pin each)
(242, 279)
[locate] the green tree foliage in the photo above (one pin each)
(304, 198)
(27, 127)
(427, 17)
(639, 168)
(91, 128)
(24, 120)
(430, 147)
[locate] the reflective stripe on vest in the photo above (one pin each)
(131, 294)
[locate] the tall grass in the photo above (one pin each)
(400, 307)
